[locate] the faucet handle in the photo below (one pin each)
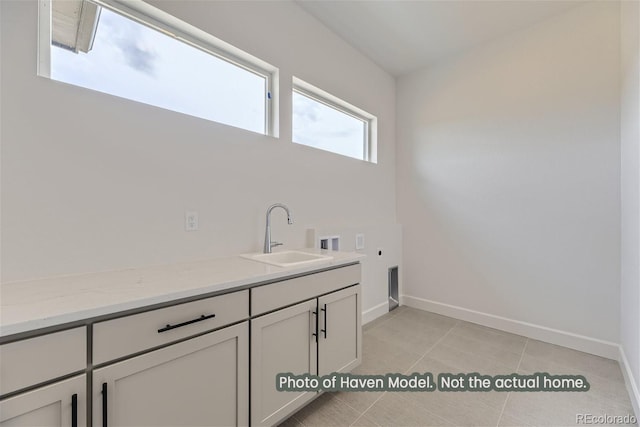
(274, 243)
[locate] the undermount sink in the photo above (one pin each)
(288, 258)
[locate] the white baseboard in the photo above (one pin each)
(630, 381)
(375, 312)
(590, 345)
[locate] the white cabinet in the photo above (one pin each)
(28, 363)
(130, 334)
(197, 382)
(187, 377)
(340, 337)
(60, 404)
(187, 364)
(316, 337)
(283, 341)
(290, 291)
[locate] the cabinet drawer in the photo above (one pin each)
(276, 295)
(35, 360)
(120, 337)
(203, 381)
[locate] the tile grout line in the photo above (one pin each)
(382, 322)
(383, 393)
(513, 416)
(369, 407)
(347, 403)
(361, 414)
(410, 367)
(425, 355)
(432, 347)
(504, 405)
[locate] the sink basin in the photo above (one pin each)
(288, 258)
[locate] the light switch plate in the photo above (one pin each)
(359, 241)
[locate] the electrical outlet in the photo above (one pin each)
(190, 221)
(359, 241)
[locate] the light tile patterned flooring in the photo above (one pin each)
(409, 340)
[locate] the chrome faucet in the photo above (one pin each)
(268, 244)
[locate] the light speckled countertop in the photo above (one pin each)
(29, 305)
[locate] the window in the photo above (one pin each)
(323, 121)
(135, 51)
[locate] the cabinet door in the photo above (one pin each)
(52, 405)
(199, 382)
(340, 331)
(281, 342)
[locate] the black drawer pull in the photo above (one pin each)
(74, 410)
(188, 322)
(104, 404)
(324, 331)
(315, 317)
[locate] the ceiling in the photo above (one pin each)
(403, 36)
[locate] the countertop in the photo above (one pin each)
(26, 306)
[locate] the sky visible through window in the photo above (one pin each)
(318, 125)
(136, 62)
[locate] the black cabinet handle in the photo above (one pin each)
(324, 331)
(104, 404)
(315, 334)
(74, 410)
(188, 322)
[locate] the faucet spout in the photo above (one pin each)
(268, 244)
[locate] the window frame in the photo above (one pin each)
(370, 121)
(171, 26)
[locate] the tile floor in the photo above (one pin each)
(409, 340)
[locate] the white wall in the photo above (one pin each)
(383, 250)
(509, 180)
(92, 182)
(630, 191)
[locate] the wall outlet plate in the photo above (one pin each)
(359, 241)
